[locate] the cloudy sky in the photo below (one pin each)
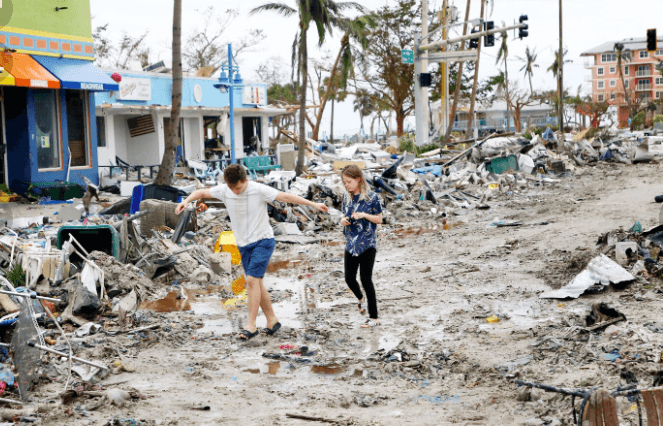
(586, 24)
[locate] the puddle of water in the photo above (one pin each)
(171, 303)
(330, 369)
(292, 262)
(273, 368)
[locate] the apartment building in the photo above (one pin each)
(641, 76)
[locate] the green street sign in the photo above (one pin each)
(407, 56)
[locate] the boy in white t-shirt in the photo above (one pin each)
(246, 202)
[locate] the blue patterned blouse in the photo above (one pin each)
(360, 234)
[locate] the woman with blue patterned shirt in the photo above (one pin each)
(362, 213)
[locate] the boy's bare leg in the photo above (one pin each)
(266, 306)
(254, 292)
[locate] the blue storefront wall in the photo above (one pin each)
(22, 158)
(162, 92)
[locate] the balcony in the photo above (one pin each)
(588, 63)
(643, 73)
(643, 87)
(588, 79)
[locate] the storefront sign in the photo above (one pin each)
(39, 83)
(134, 89)
(254, 95)
(92, 86)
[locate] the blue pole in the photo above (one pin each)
(233, 160)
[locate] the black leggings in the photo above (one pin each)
(364, 261)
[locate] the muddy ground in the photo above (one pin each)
(435, 359)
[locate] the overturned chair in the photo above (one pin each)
(599, 406)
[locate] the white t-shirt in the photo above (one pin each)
(248, 211)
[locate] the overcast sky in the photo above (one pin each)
(586, 24)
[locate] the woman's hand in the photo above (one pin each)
(345, 221)
(359, 215)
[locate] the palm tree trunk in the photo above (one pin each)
(459, 79)
(165, 175)
(476, 79)
(303, 64)
(331, 124)
(508, 97)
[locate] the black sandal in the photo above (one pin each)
(270, 331)
(247, 335)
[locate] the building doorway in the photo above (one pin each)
(252, 134)
(3, 144)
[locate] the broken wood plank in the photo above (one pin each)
(311, 418)
(604, 323)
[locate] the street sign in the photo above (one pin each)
(453, 56)
(407, 56)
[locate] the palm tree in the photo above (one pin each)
(529, 60)
(355, 29)
(165, 175)
(364, 105)
(503, 53)
(554, 67)
(324, 14)
(624, 57)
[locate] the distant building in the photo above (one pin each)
(493, 117)
(642, 79)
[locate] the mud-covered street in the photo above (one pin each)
(461, 319)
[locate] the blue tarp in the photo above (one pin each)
(435, 170)
(77, 74)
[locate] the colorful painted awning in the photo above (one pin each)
(76, 74)
(25, 72)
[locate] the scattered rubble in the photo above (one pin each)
(98, 306)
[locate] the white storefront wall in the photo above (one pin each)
(148, 149)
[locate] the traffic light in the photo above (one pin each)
(474, 42)
(489, 40)
(425, 79)
(651, 40)
(522, 32)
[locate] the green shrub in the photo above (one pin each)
(639, 119)
(16, 276)
(406, 144)
(658, 118)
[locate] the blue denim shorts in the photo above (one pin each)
(255, 257)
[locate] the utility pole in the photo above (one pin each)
(444, 89)
(560, 79)
(470, 116)
(421, 93)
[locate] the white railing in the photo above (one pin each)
(588, 62)
(642, 87)
(643, 73)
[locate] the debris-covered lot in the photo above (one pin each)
(547, 274)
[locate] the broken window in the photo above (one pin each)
(48, 135)
(77, 127)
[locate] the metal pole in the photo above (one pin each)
(30, 295)
(444, 92)
(421, 93)
(75, 358)
(231, 107)
(560, 78)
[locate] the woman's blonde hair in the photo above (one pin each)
(355, 172)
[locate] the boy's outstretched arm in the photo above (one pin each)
(194, 196)
(285, 197)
